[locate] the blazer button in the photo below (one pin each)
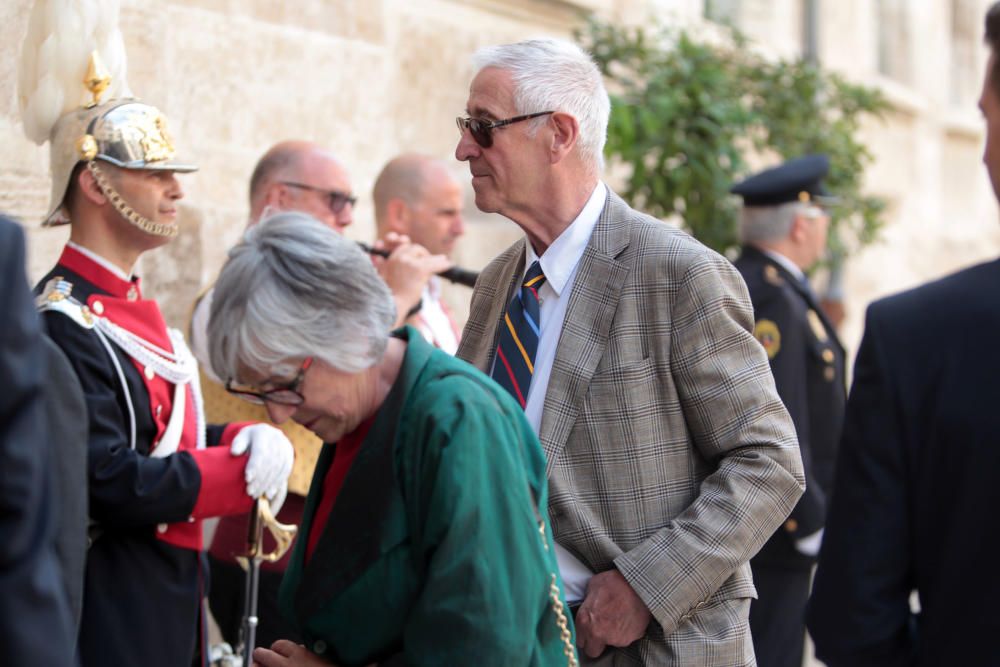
(319, 647)
(98, 307)
(791, 525)
(161, 528)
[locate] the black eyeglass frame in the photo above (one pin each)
(482, 129)
(336, 200)
(289, 394)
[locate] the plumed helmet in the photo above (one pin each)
(61, 83)
(126, 133)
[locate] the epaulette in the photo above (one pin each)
(57, 296)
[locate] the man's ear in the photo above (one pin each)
(277, 197)
(397, 216)
(566, 132)
(798, 231)
(87, 186)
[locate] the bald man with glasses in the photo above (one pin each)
(290, 176)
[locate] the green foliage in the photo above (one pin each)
(685, 113)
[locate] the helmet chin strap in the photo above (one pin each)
(126, 211)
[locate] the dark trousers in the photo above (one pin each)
(225, 598)
(777, 616)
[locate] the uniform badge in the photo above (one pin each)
(767, 333)
(816, 325)
(772, 276)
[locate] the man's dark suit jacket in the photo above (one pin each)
(35, 620)
(917, 481)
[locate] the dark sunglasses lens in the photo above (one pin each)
(339, 201)
(481, 132)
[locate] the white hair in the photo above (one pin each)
(761, 224)
(556, 75)
(294, 288)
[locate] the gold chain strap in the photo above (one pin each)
(563, 623)
(557, 605)
(127, 212)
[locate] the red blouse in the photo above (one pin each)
(347, 449)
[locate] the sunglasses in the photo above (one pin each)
(336, 200)
(290, 394)
(482, 129)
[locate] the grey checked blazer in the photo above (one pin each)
(670, 455)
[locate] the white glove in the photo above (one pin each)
(810, 544)
(270, 462)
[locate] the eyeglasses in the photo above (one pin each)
(336, 199)
(482, 129)
(287, 395)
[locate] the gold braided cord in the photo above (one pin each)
(126, 211)
(564, 633)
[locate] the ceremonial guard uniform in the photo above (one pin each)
(146, 503)
(807, 360)
(153, 472)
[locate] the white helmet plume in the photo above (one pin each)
(61, 36)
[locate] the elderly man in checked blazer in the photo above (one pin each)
(671, 459)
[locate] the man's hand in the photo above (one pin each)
(284, 653)
(611, 614)
(270, 462)
(406, 270)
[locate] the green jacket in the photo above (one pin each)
(432, 554)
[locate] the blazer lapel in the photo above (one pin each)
(589, 315)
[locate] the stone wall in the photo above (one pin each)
(373, 78)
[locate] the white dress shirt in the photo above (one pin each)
(433, 321)
(559, 263)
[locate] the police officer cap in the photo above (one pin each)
(800, 179)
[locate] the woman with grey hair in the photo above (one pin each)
(420, 541)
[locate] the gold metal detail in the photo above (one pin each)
(126, 211)
(816, 324)
(772, 276)
(828, 355)
(87, 317)
(791, 525)
(282, 533)
(829, 374)
(97, 79)
(156, 143)
(562, 623)
(805, 197)
(86, 147)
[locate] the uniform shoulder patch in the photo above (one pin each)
(769, 336)
(58, 296)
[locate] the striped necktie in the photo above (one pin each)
(515, 360)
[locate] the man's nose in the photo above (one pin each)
(175, 191)
(467, 147)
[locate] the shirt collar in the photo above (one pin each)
(104, 263)
(785, 263)
(561, 257)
